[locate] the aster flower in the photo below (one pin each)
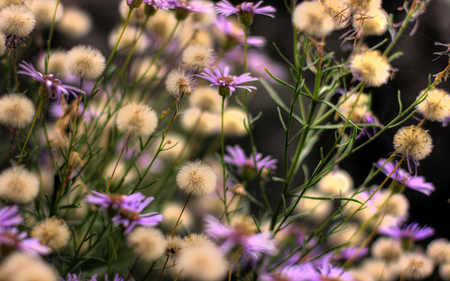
(246, 166)
(227, 84)
(245, 11)
(9, 216)
(235, 36)
(74, 277)
(325, 272)
(162, 4)
(11, 239)
(287, 273)
(351, 252)
(414, 182)
(411, 232)
(444, 53)
(184, 7)
(56, 89)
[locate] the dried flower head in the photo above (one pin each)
(387, 249)
(196, 178)
(375, 22)
(18, 185)
(200, 122)
(439, 251)
(178, 83)
(149, 243)
(129, 37)
(362, 6)
(444, 271)
(53, 233)
(16, 111)
(415, 265)
(311, 18)
(174, 245)
(171, 212)
(197, 240)
(75, 23)
(337, 183)
(203, 263)
(16, 20)
(56, 63)
(137, 119)
(44, 10)
(85, 62)
(233, 122)
(371, 68)
(395, 205)
(414, 143)
(198, 56)
(206, 99)
(436, 106)
(22, 267)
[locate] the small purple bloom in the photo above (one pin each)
(410, 232)
(11, 239)
(162, 4)
(246, 165)
(237, 36)
(56, 89)
(227, 84)
(351, 252)
(9, 216)
(444, 53)
(325, 272)
(184, 7)
(287, 273)
(414, 182)
(74, 277)
(225, 8)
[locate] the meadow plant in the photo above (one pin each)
(109, 175)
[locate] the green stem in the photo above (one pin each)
(222, 144)
(50, 35)
(41, 105)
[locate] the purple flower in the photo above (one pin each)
(351, 252)
(287, 273)
(116, 278)
(232, 237)
(244, 10)
(11, 239)
(237, 36)
(246, 166)
(9, 216)
(162, 4)
(408, 232)
(74, 277)
(109, 202)
(184, 7)
(227, 84)
(414, 182)
(56, 89)
(325, 272)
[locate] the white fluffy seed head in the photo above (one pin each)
(338, 11)
(379, 269)
(53, 233)
(137, 15)
(396, 206)
(204, 263)
(162, 23)
(16, 20)
(18, 185)
(149, 243)
(44, 10)
(179, 83)
(360, 109)
(137, 119)
(439, 251)
(196, 240)
(373, 23)
(414, 142)
(387, 249)
(362, 6)
(129, 36)
(171, 213)
(173, 246)
(16, 111)
(198, 56)
(415, 265)
(233, 122)
(206, 99)
(197, 178)
(204, 123)
(444, 271)
(338, 182)
(56, 64)
(371, 67)
(316, 209)
(2, 44)
(22, 267)
(85, 62)
(75, 23)
(436, 107)
(311, 18)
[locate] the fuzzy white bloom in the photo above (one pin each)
(311, 18)
(204, 123)
(233, 122)
(436, 106)
(137, 15)
(178, 83)
(130, 35)
(414, 142)
(162, 23)
(439, 251)
(362, 6)
(444, 271)
(85, 62)
(171, 213)
(75, 23)
(370, 67)
(196, 178)
(56, 64)
(53, 233)
(203, 263)
(18, 185)
(137, 119)
(206, 99)
(16, 111)
(140, 67)
(16, 20)
(338, 11)
(397, 205)
(360, 109)
(316, 209)
(2, 44)
(173, 246)
(379, 269)
(198, 56)
(386, 248)
(345, 232)
(373, 23)
(337, 182)
(177, 146)
(149, 243)
(44, 10)
(360, 275)
(415, 265)
(22, 267)
(197, 240)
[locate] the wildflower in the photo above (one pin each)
(55, 88)
(16, 21)
(203, 263)
(171, 212)
(162, 4)
(371, 68)
(376, 269)
(287, 273)
(16, 111)
(414, 143)
(196, 240)
(9, 216)
(415, 265)
(414, 182)
(53, 233)
(375, 22)
(444, 53)
(200, 122)
(336, 183)
(311, 18)
(198, 56)
(227, 84)
(436, 106)
(75, 23)
(387, 249)
(20, 266)
(395, 205)
(351, 252)
(408, 234)
(174, 245)
(439, 251)
(317, 209)
(444, 271)
(18, 185)
(128, 39)
(325, 272)
(44, 10)
(85, 62)
(178, 83)
(11, 240)
(206, 99)
(137, 119)
(196, 178)
(74, 277)
(246, 166)
(245, 10)
(233, 122)
(236, 36)
(183, 8)
(147, 242)
(362, 6)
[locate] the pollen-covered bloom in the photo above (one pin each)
(9, 216)
(371, 68)
(245, 11)
(55, 88)
(411, 232)
(11, 239)
(246, 166)
(414, 182)
(227, 83)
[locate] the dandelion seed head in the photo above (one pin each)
(371, 68)
(378, 269)
(396, 206)
(436, 106)
(53, 233)
(2, 44)
(203, 263)
(198, 56)
(204, 123)
(75, 23)
(178, 83)
(415, 265)
(18, 185)
(233, 122)
(206, 99)
(197, 240)
(171, 212)
(311, 18)
(362, 6)
(148, 242)
(439, 251)
(197, 178)
(174, 246)
(387, 249)
(16, 20)
(162, 23)
(56, 63)
(128, 38)
(373, 23)
(22, 267)
(137, 119)
(85, 62)
(413, 141)
(336, 183)
(444, 271)
(44, 10)
(16, 111)
(317, 209)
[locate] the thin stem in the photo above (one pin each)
(50, 35)
(164, 267)
(125, 144)
(16, 78)
(181, 214)
(41, 105)
(222, 144)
